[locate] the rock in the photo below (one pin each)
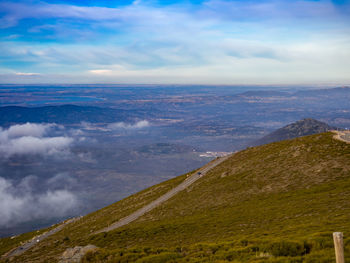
(74, 255)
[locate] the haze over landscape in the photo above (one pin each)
(174, 131)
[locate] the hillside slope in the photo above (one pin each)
(297, 129)
(273, 203)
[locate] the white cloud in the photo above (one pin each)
(34, 145)
(21, 204)
(87, 126)
(217, 42)
(26, 74)
(101, 71)
(29, 139)
(28, 129)
(123, 125)
(145, 12)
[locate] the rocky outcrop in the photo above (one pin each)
(74, 255)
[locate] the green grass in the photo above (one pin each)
(274, 203)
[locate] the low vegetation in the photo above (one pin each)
(316, 250)
(273, 203)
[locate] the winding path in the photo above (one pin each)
(31, 243)
(190, 180)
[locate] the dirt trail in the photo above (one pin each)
(342, 136)
(190, 180)
(31, 243)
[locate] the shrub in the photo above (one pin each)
(286, 249)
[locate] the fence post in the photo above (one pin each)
(339, 247)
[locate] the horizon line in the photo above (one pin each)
(179, 84)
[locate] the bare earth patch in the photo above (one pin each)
(342, 136)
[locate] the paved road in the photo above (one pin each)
(342, 135)
(190, 180)
(31, 243)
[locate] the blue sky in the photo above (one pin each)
(175, 42)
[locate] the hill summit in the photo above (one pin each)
(300, 128)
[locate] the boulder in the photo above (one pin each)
(74, 255)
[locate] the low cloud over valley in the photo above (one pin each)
(31, 138)
(123, 125)
(21, 202)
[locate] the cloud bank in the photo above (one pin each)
(20, 203)
(28, 129)
(31, 138)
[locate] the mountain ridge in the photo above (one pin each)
(307, 126)
(271, 203)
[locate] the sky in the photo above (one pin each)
(216, 42)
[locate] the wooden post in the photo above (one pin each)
(339, 247)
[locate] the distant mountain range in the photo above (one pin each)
(297, 129)
(63, 114)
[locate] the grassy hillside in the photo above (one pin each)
(273, 203)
